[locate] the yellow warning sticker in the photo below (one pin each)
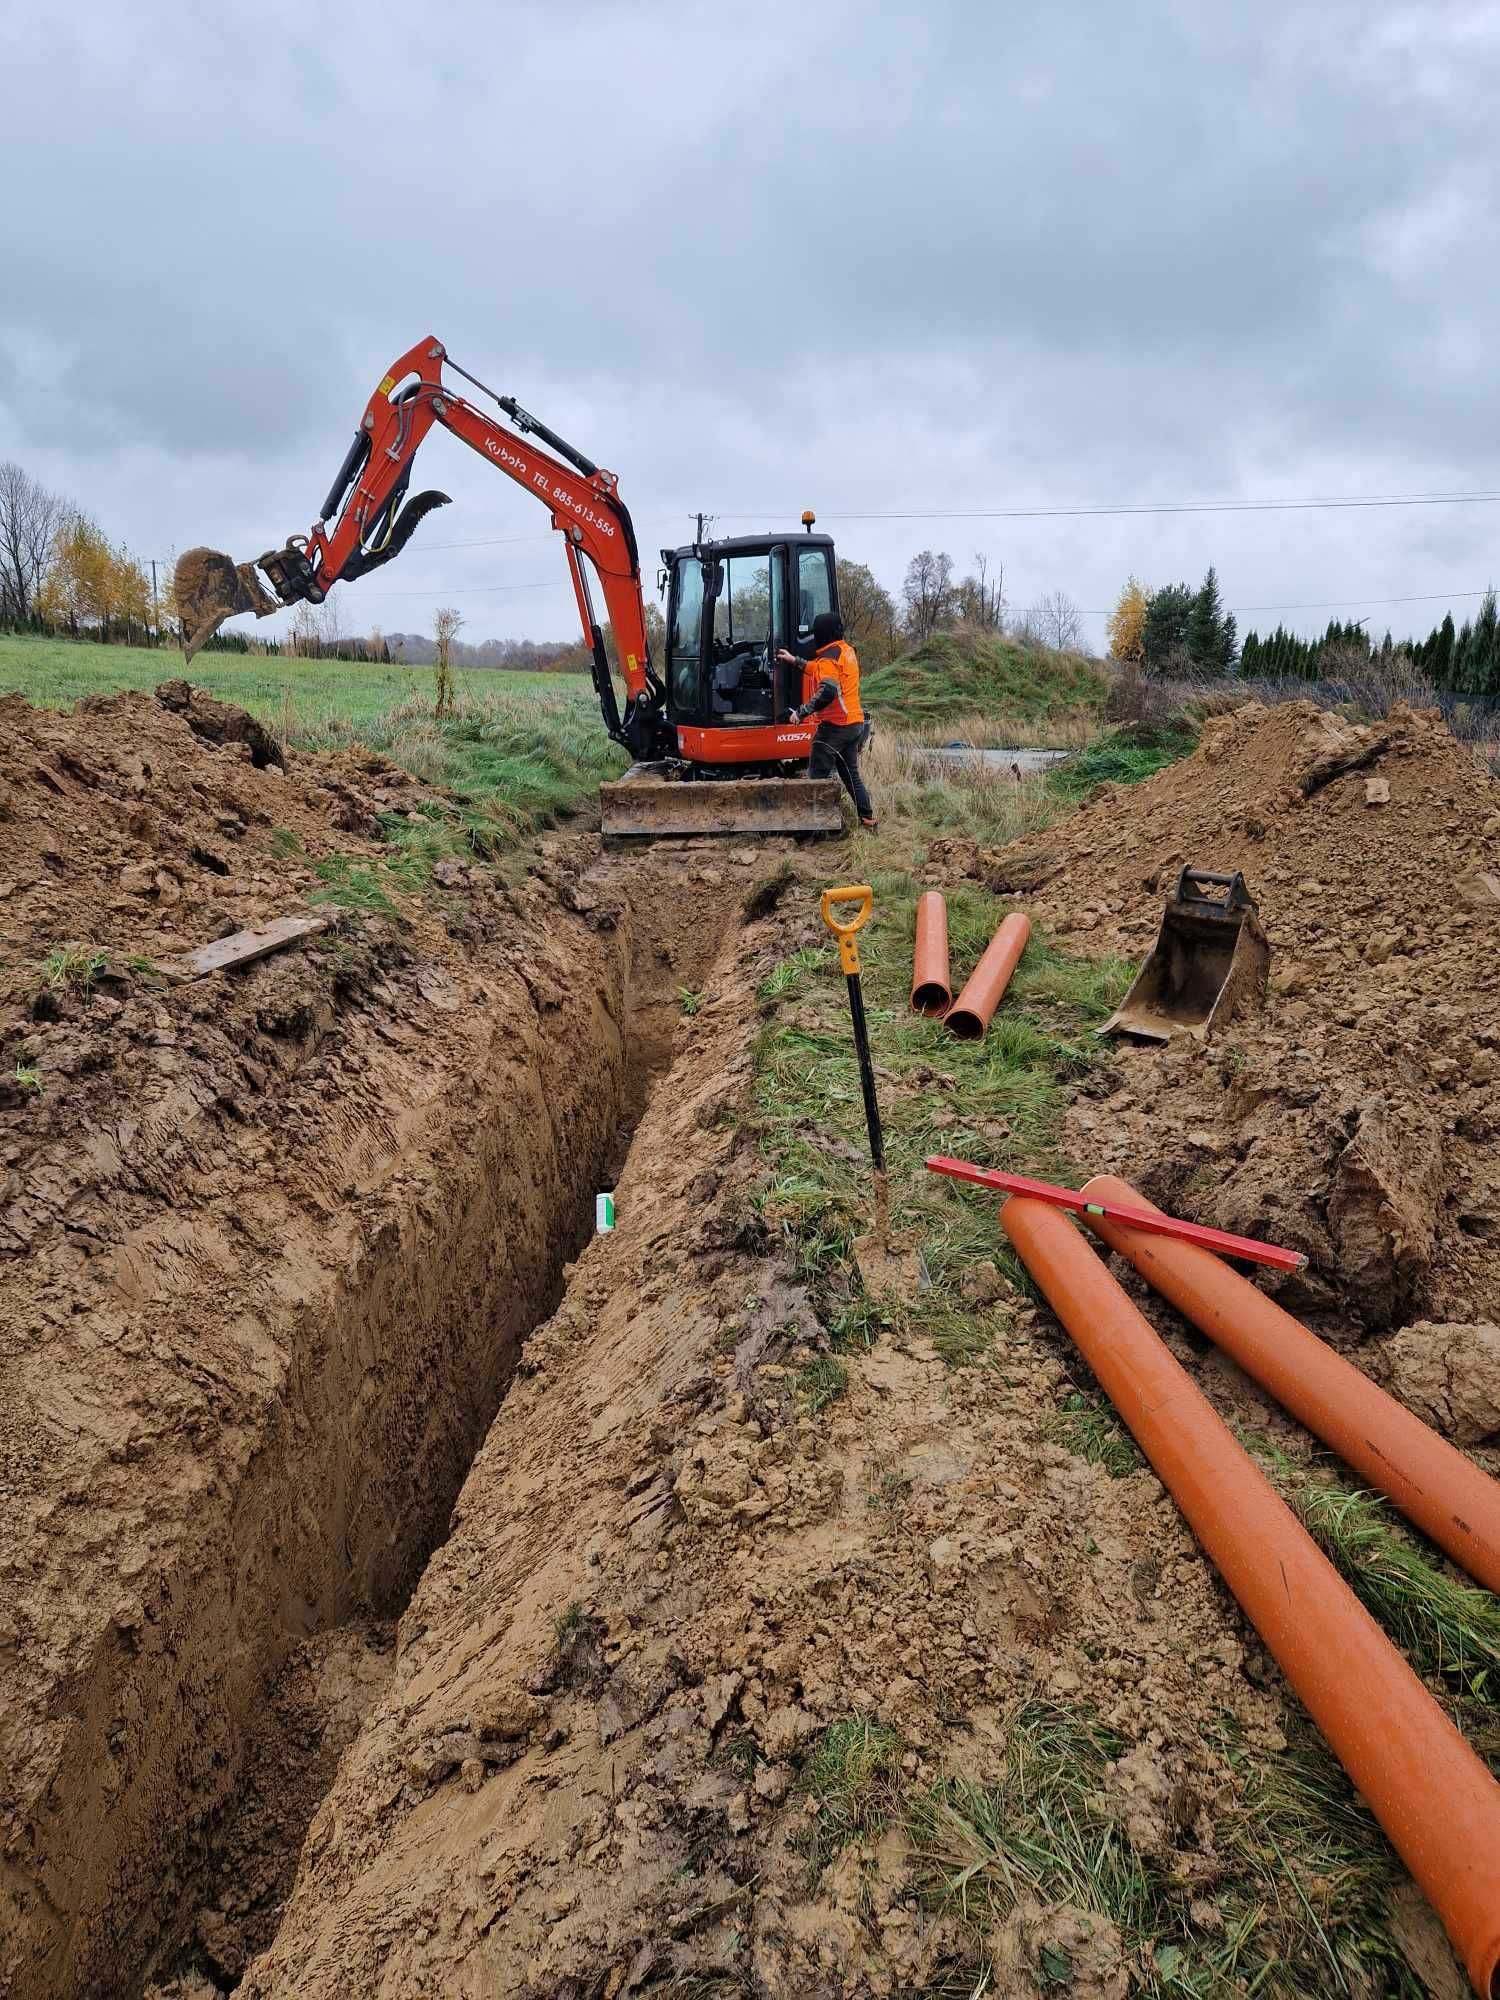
(386, 386)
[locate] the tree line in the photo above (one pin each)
(1175, 630)
(59, 571)
(1457, 660)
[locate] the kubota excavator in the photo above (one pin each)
(710, 733)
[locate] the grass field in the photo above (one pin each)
(307, 694)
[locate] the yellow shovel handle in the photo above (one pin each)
(863, 897)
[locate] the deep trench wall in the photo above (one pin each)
(380, 1338)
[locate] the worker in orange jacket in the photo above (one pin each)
(830, 690)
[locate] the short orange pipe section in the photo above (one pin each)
(1438, 1804)
(974, 1009)
(1434, 1485)
(931, 986)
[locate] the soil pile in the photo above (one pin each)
(1355, 1118)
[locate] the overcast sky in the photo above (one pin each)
(874, 260)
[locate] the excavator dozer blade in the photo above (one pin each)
(1209, 963)
(647, 804)
(209, 587)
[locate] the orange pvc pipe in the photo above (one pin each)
(931, 988)
(1445, 1494)
(1437, 1802)
(973, 1010)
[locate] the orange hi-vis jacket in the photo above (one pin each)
(838, 664)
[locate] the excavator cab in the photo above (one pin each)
(731, 607)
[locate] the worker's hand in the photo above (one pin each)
(789, 659)
(798, 715)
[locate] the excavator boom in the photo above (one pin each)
(373, 520)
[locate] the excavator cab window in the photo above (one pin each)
(685, 641)
(814, 586)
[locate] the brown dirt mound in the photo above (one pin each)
(1355, 1119)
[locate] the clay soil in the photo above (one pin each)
(409, 1592)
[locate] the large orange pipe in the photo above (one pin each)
(1438, 1804)
(931, 988)
(1434, 1485)
(973, 1010)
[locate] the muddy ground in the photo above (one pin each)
(407, 1591)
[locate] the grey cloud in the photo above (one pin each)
(945, 256)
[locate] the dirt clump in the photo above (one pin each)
(1450, 1375)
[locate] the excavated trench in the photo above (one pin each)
(168, 1837)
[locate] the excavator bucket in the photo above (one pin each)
(1209, 964)
(648, 804)
(209, 587)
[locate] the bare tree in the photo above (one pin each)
(30, 517)
(1060, 621)
(928, 594)
(445, 625)
(980, 601)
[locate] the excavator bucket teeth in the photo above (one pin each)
(647, 804)
(1209, 963)
(209, 587)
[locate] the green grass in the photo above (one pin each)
(1302, 1885)
(821, 1382)
(55, 673)
(1122, 758)
(849, 1772)
(999, 1102)
(1090, 1429)
(957, 674)
(1448, 1627)
(73, 967)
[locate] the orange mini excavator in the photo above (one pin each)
(710, 733)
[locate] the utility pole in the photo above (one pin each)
(155, 615)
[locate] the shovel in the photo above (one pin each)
(884, 1265)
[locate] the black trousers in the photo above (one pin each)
(836, 748)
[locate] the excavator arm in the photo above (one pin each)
(372, 521)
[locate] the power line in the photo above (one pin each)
(1142, 507)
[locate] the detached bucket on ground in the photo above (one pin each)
(1209, 963)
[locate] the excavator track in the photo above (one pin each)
(648, 804)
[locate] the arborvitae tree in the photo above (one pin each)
(1439, 661)
(1481, 665)
(1461, 653)
(1250, 655)
(1166, 628)
(1205, 630)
